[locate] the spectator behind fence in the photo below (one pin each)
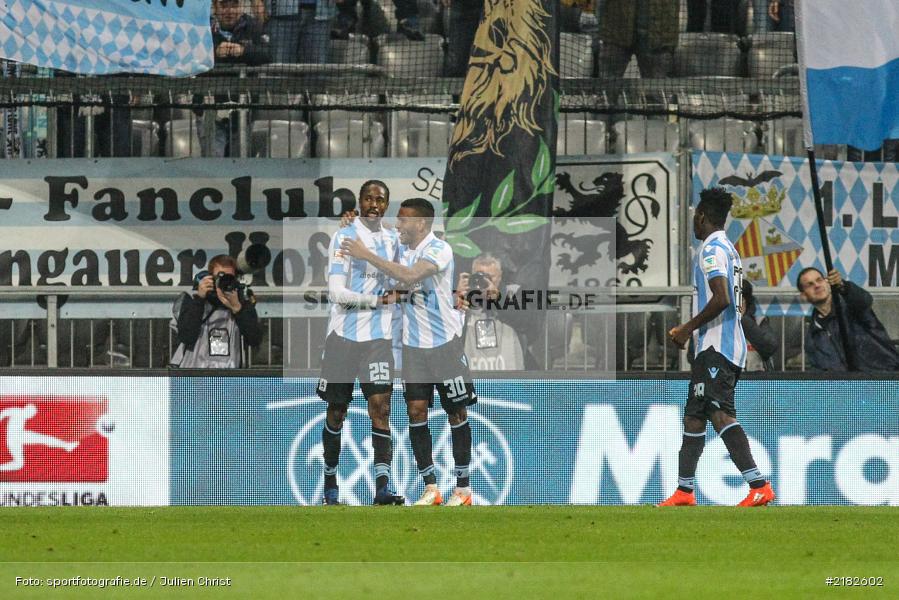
(238, 35)
(464, 16)
(874, 351)
(214, 323)
(406, 16)
(645, 28)
(761, 343)
(781, 15)
(577, 16)
(300, 30)
(725, 16)
(495, 327)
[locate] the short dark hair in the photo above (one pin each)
(222, 260)
(715, 203)
(420, 206)
(372, 182)
(803, 272)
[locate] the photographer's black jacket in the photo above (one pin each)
(874, 351)
(190, 319)
(210, 336)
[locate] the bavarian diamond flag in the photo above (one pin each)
(159, 37)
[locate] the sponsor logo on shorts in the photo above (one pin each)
(713, 371)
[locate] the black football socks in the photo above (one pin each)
(690, 450)
(420, 437)
(382, 444)
(737, 444)
(331, 445)
(462, 452)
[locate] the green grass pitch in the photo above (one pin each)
(480, 552)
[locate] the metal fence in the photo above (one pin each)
(131, 328)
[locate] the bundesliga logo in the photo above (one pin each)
(54, 439)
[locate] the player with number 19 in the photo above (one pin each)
(359, 341)
(433, 356)
(720, 348)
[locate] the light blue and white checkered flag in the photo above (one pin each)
(159, 37)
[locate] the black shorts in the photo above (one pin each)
(445, 365)
(345, 360)
(713, 379)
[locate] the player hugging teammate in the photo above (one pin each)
(422, 267)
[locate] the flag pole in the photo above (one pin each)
(843, 324)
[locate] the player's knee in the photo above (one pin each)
(693, 424)
(336, 414)
(720, 420)
(417, 414)
(379, 409)
(457, 416)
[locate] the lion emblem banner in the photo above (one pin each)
(500, 174)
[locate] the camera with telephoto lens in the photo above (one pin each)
(253, 259)
(479, 281)
(227, 282)
(223, 281)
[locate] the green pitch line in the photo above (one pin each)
(490, 552)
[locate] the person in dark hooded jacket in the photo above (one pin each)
(762, 343)
(874, 351)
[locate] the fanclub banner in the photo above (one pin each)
(157, 222)
(158, 37)
(774, 227)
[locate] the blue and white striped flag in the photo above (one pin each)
(159, 37)
(849, 59)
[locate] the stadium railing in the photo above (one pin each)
(129, 328)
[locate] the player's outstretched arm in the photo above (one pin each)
(403, 274)
(720, 300)
(339, 293)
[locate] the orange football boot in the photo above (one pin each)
(758, 496)
(680, 498)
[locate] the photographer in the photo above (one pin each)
(495, 328)
(213, 324)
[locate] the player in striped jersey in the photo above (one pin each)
(720, 354)
(359, 341)
(433, 355)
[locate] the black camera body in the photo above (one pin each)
(252, 259)
(223, 281)
(478, 281)
(227, 282)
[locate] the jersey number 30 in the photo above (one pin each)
(454, 387)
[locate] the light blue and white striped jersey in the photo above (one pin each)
(717, 257)
(429, 317)
(362, 323)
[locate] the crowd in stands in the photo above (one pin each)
(305, 31)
